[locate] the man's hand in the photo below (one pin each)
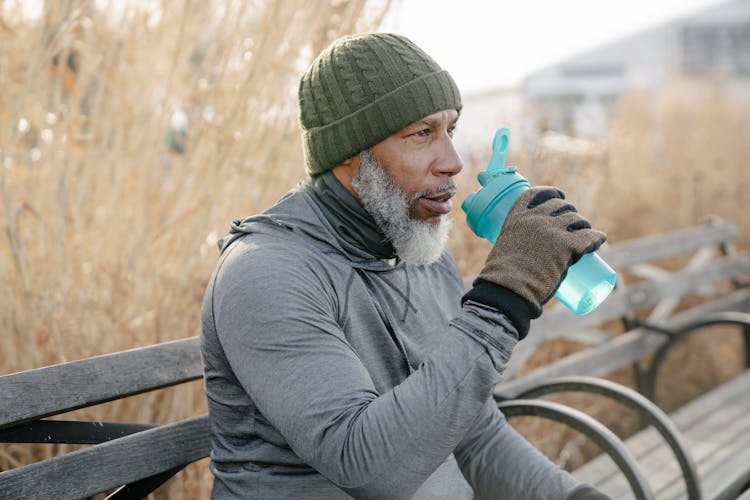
(541, 237)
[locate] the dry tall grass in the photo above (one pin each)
(130, 137)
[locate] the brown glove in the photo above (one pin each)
(541, 237)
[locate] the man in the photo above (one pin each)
(341, 359)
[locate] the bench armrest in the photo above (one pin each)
(674, 336)
(591, 428)
(637, 402)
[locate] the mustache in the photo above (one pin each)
(448, 186)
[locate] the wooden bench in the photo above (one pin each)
(139, 456)
(131, 460)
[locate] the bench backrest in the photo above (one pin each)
(57, 389)
(141, 450)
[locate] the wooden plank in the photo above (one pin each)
(623, 349)
(683, 282)
(83, 473)
(602, 472)
(693, 413)
(60, 388)
(590, 337)
(700, 417)
(661, 246)
(716, 429)
(722, 452)
(712, 443)
(723, 465)
(729, 469)
(713, 427)
(667, 306)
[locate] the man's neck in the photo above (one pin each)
(348, 217)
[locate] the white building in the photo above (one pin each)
(575, 95)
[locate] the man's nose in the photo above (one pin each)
(448, 161)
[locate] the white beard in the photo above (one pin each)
(415, 242)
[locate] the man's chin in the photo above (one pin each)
(430, 221)
(425, 241)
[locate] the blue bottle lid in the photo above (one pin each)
(501, 187)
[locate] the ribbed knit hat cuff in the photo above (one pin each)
(328, 146)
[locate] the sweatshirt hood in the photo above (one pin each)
(298, 218)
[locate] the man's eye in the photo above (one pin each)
(422, 133)
(451, 130)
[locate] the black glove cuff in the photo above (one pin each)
(519, 310)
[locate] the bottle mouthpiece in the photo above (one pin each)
(499, 150)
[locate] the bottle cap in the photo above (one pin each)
(501, 187)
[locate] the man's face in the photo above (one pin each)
(409, 196)
(421, 160)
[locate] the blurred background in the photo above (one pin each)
(133, 132)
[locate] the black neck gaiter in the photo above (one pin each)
(348, 216)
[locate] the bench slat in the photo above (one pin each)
(716, 437)
(106, 466)
(721, 438)
(661, 246)
(728, 469)
(718, 440)
(721, 465)
(52, 390)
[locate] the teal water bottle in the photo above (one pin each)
(587, 283)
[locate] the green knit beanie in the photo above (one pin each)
(364, 88)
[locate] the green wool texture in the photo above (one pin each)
(364, 88)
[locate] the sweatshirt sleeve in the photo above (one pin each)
(277, 326)
(500, 463)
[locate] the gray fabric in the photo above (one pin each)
(331, 374)
(586, 492)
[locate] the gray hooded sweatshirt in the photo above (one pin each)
(332, 374)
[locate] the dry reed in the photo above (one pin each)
(130, 135)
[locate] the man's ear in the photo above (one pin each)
(345, 172)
